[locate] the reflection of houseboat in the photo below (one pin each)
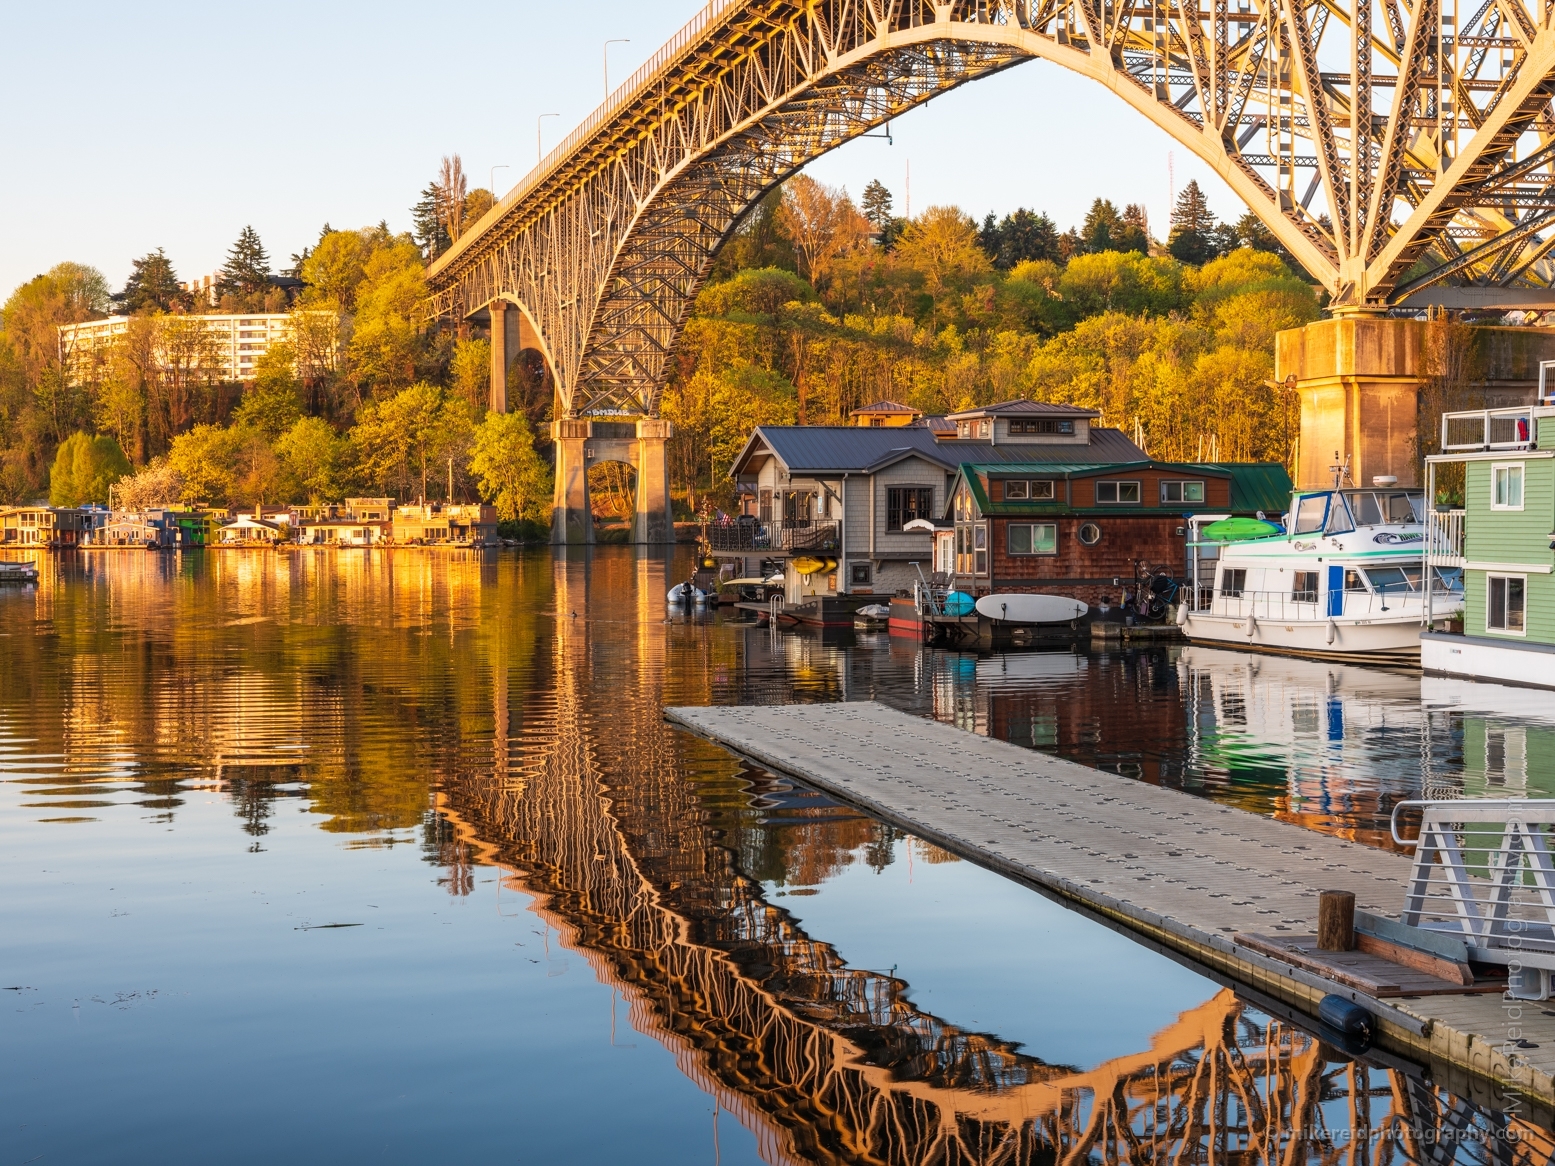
(1343, 578)
(1503, 541)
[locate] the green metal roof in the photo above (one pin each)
(1254, 485)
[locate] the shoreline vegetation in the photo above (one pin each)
(815, 306)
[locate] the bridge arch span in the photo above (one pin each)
(1428, 163)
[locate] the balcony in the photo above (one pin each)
(792, 534)
(1489, 429)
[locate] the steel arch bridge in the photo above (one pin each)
(1394, 147)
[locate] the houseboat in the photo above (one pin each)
(1502, 539)
(866, 501)
(1343, 576)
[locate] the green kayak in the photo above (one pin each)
(1235, 530)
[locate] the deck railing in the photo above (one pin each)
(1488, 429)
(791, 534)
(1444, 538)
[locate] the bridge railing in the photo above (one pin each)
(792, 534)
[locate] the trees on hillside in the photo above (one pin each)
(153, 285)
(246, 271)
(84, 468)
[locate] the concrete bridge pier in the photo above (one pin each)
(1360, 380)
(499, 356)
(572, 523)
(640, 442)
(654, 522)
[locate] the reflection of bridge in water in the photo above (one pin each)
(601, 819)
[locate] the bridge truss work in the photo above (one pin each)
(1402, 150)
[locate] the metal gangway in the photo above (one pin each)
(1483, 872)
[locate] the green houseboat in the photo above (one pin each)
(1502, 538)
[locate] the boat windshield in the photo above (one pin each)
(1310, 512)
(1449, 578)
(1381, 507)
(1394, 580)
(1339, 520)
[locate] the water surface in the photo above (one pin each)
(389, 856)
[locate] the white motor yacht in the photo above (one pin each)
(1344, 577)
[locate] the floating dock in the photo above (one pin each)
(1232, 891)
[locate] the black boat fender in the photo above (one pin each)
(1345, 1016)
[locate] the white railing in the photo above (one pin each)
(1483, 872)
(1488, 429)
(1278, 606)
(1444, 538)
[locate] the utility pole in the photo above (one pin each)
(620, 40)
(539, 153)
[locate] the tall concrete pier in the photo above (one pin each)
(1360, 379)
(640, 442)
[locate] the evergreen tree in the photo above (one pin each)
(989, 237)
(1134, 230)
(1103, 224)
(427, 225)
(153, 285)
(247, 270)
(1026, 235)
(1193, 238)
(307, 252)
(877, 204)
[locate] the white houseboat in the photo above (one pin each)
(1344, 577)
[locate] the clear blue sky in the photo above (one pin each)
(134, 126)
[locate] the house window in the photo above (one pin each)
(1117, 493)
(764, 506)
(1090, 534)
(1182, 491)
(980, 548)
(1045, 425)
(1022, 490)
(1304, 588)
(1505, 603)
(985, 428)
(1506, 487)
(858, 572)
(1033, 538)
(1232, 581)
(905, 503)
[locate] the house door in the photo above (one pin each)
(798, 507)
(1335, 590)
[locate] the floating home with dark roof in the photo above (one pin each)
(868, 499)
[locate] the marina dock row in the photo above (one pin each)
(1229, 890)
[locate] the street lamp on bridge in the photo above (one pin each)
(620, 40)
(539, 153)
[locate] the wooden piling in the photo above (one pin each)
(1336, 921)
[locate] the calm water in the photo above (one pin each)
(391, 857)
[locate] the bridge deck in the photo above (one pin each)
(1186, 872)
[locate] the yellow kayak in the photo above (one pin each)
(808, 566)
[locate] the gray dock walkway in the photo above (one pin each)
(1182, 871)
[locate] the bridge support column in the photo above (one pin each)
(655, 521)
(499, 356)
(1360, 380)
(572, 524)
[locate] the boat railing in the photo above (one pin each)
(1444, 538)
(1488, 429)
(1312, 606)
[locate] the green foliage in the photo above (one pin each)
(316, 459)
(1193, 238)
(403, 440)
(387, 348)
(84, 468)
(510, 474)
(1123, 281)
(469, 372)
(876, 204)
(274, 403)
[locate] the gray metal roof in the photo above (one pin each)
(835, 449)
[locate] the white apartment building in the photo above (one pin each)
(241, 339)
